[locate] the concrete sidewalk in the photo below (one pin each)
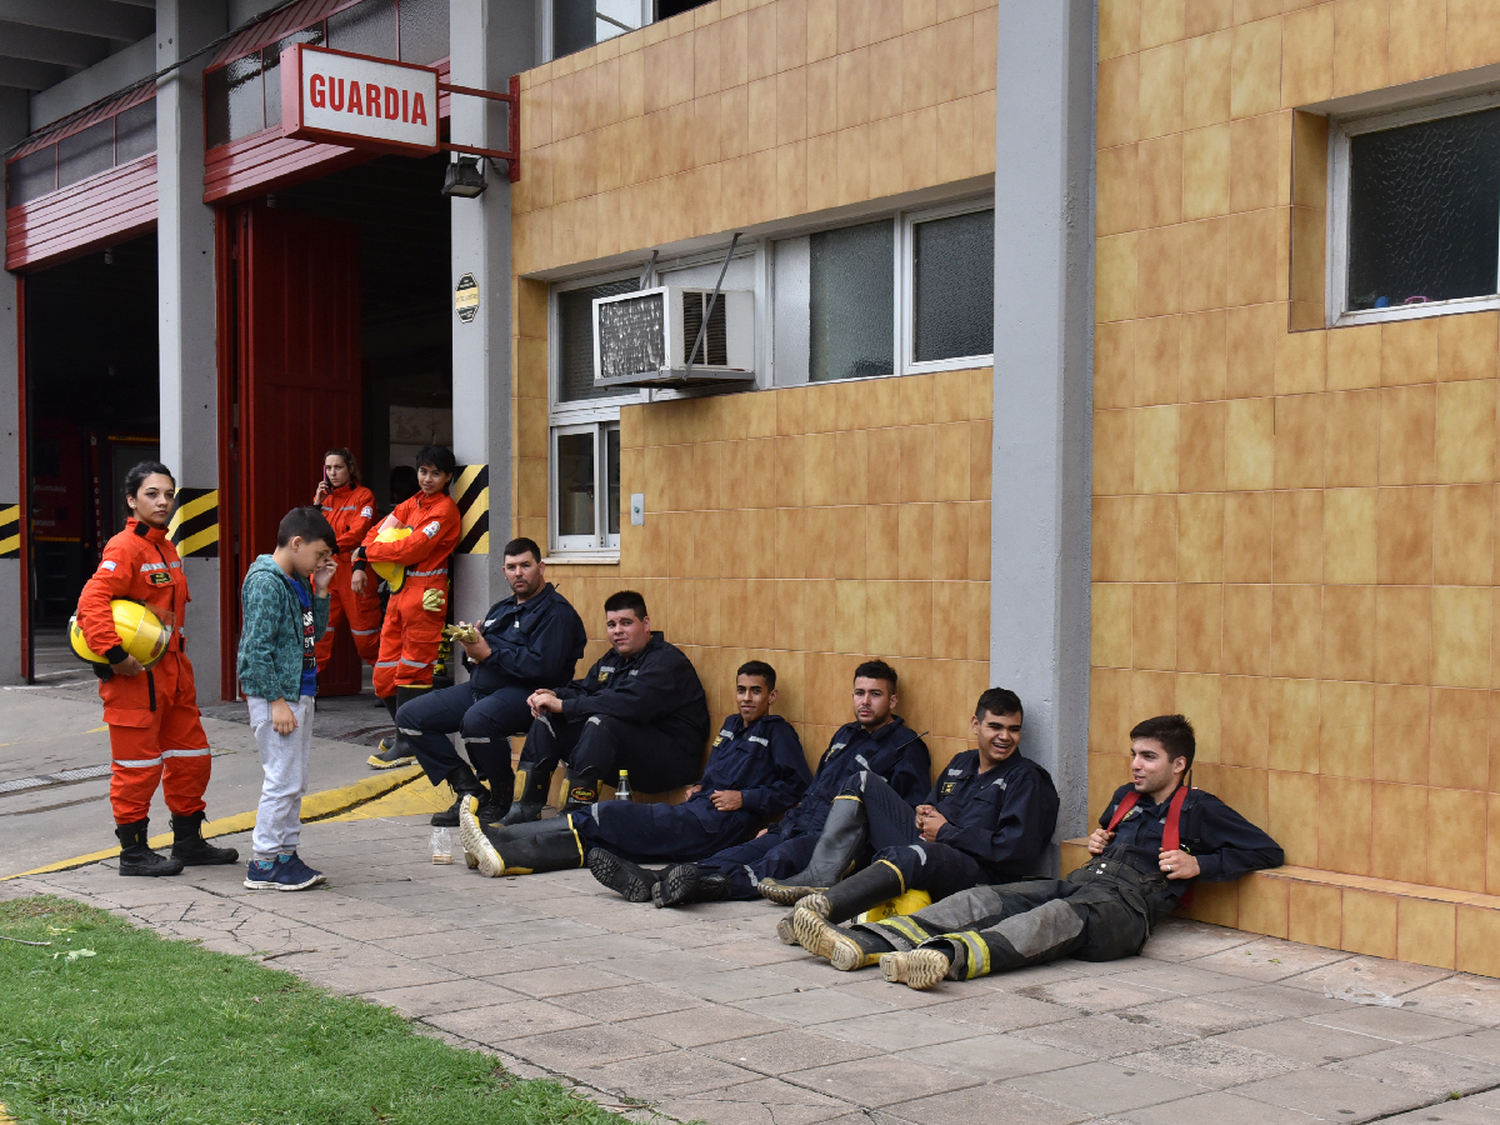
(701, 1013)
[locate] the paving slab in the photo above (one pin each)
(703, 1014)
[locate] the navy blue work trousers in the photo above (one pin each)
(484, 723)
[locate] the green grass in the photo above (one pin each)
(111, 1023)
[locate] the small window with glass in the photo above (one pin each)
(1415, 212)
(584, 458)
(903, 294)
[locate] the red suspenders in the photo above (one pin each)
(1171, 840)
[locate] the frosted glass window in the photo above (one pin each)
(271, 67)
(575, 309)
(31, 176)
(232, 101)
(953, 283)
(852, 302)
(1424, 211)
(365, 29)
(575, 484)
(424, 31)
(135, 132)
(86, 154)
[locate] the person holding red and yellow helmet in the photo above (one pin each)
(349, 508)
(417, 537)
(155, 732)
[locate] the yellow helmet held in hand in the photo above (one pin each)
(142, 634)
(393, 574)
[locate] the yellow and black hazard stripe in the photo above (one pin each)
(10, 531)
(194, 528)
(471, 492)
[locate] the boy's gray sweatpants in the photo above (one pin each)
(284, 758)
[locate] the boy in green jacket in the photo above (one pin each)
(283, 618)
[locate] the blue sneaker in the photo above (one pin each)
(285, 873)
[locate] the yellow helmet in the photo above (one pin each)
(394, 574)
(142, 633)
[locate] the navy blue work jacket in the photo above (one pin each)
(1004, 817)
(657, 686)
(895, 752)
(1224, 843)
(763, 761)
(534, 645)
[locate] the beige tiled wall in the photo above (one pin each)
(1293, 530)
(811, 526)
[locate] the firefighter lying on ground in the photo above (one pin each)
(155, 733)
(756, 770)
(878, 742)
(988, 819)
(530, 640)
(349, 508)
(640, 708)
(416, 612)
(1155, 837)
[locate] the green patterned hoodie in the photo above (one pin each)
(270, 660)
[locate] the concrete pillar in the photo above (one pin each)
(187, 317)
(1044, 216)
(13, 126)
(490, 41)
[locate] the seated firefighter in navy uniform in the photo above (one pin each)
(988, 819)
(1156, 836)
(532, 639)
(878, 742)
(755, 770)
(640, 708)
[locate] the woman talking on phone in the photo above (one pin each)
(155, 732)
(349, 507)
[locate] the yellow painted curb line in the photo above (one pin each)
(315, 806)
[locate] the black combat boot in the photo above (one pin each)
(838, 846)
(189, 846)
(682, 883)
(464, 784)
(138, 859)
(630, 881)
(530, 798)
(551, 845)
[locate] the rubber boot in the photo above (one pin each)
(189, 846)
(682, 883)
(392, 751)
(630, 881)
(916, 968)
(138, 859)
(557, 848)
(530, 795)
(838, 846)
(464, 784)
(845, 950)
(880, 882)
(582, 792)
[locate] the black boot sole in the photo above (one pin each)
(629, 881)
(676, 885)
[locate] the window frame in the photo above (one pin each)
(548, 44)
(906, 290)
(1340, 133)
(601, 541)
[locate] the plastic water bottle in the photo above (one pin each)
(622, 792)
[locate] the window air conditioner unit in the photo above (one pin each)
(643, 339)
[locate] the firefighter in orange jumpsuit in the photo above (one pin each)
(155, 733)
(416, 613)
(349, 508)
